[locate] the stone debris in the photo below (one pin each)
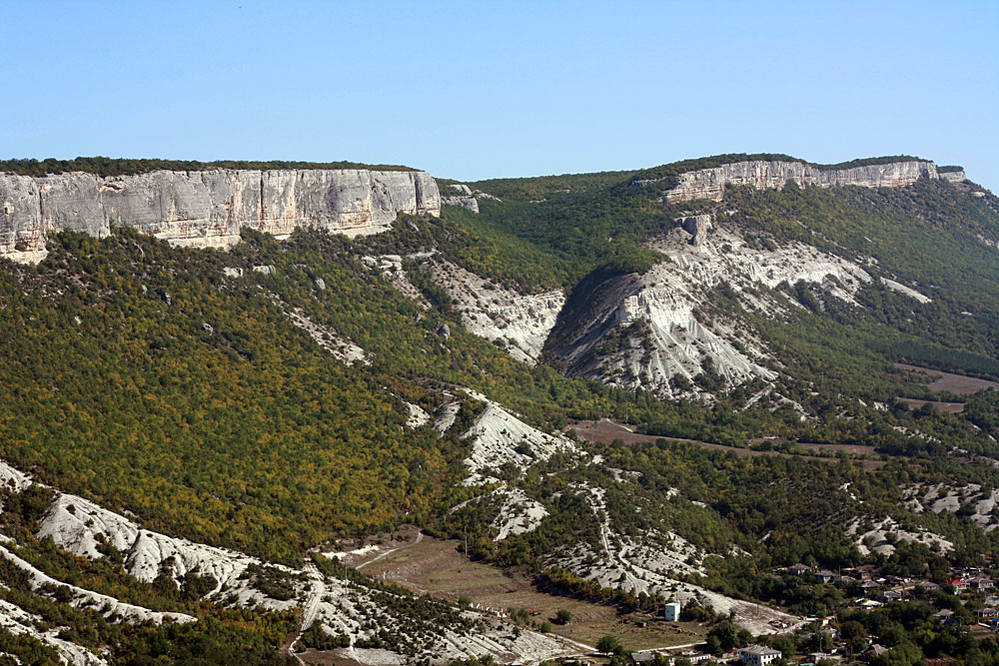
(517, 323)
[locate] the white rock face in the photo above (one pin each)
(519, 323)
(668, 337)
(498, 437)
(446, 415)
(75, 524)
(519, 514)
(906, 291)
(940, 497)
(82, 598)
(461, 195)
(207, 208)
(710, 183)
(953, 176)
(879, 532)
(417, 416)
(20, 622)
(326, 337)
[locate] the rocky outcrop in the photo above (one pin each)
(463, 196)
(710, 183)
(515, 322)
(653, 332)
(207, 208)
(697, 226)
(952, 175)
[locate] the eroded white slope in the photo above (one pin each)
(20, 622)
(390, 267)
(498, 437)
(679, 343)
(82, 598)
(417, 416)
(326, 337)
(518, 513)
(341, 606)
(939, 497)
(649, 564)
(900, 288)
(76, 525)
(518, 323)
(876, 538)
(653, 328)
(724, 254)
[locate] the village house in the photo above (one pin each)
(824, 576)
(959, 584)
(889, 595)
(798, 569)
(980, 583)
(672, 612)
(986, 612)
(946, 616)
(758, 655)
(927, 585)
(870, 587)
(872, 652)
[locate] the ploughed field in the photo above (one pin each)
(605, 431)
(949, 407)
(436, 567)
(940, 381)
(937, 380)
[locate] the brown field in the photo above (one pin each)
(849, 449)
(947, 381)
(949, 407)
(605, 432)
(434, 566)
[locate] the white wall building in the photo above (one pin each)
(758, 655)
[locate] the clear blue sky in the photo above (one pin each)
(473, 90)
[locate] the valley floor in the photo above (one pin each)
(436, 566)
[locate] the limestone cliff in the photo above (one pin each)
(952, 174)
(207, 208)
(763, 174)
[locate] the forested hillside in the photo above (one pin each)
(281, 397)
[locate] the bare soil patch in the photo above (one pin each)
(435, 566)
(937, 380)
(949, 407)
(605, 431)
(849, 449)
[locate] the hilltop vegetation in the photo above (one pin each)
(107, 166)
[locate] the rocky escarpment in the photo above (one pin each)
(952, 174)
(207, 208)
(770, 174)
(655, 332)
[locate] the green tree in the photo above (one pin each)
(608, 645)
